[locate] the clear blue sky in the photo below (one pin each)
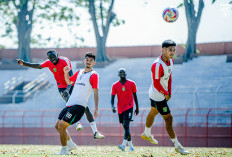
(145, 26)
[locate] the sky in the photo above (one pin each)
(144, 25)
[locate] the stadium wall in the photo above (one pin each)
(37, 127)
(221, 48)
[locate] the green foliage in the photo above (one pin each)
(105, 9)
(213, 1)
(2, 46)
(46, 12)
(117, 22)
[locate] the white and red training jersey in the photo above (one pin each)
(161, 79)
(84, 83)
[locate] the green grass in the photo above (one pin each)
(108, 151)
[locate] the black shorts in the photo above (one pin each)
(61, 90)
(161, 106)
(126, 115)
(72, 114)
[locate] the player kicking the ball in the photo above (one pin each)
(56, 64)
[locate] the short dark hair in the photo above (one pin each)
(122, 69)
(51, 51)
(90, 54)
(168, 43)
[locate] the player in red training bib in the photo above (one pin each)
(125, 90)
(160, 93)
(56, 65)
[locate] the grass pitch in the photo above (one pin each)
(108, 151)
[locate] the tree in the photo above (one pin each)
(22, 21)
(21, 14)
(193, 21)
(105, 16)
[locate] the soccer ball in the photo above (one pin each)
(170, 14)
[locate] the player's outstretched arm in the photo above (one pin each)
(66, 75)
(136, 103)
(31, 65)
(65, 94)
(96, 98)
(112, 103)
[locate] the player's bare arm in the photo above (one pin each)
(112, 103)
(95, 90)
(66, 75)
(65, 94)
(31, 65)
(136, 103)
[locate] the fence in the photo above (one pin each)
(37, 127)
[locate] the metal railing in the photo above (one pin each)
(19, 91)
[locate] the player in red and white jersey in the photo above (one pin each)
(160, 93)
(56, 65)
(85, 82)
(126, 91)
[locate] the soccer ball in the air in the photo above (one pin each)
(170, 14)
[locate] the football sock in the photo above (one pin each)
(65, 147)
(130, 144)
(69, 142)
(94, 127)
(175, 142)
(147, 131)
(124, 142)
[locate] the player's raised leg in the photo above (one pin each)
(89, 116)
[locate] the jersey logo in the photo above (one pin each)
(68, 115)
(82, 84)
(123, 88)
(54, 69)
(169, 70)
(165, 109)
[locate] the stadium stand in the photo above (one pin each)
(19, 91)
(195, 83)
(201, 99)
